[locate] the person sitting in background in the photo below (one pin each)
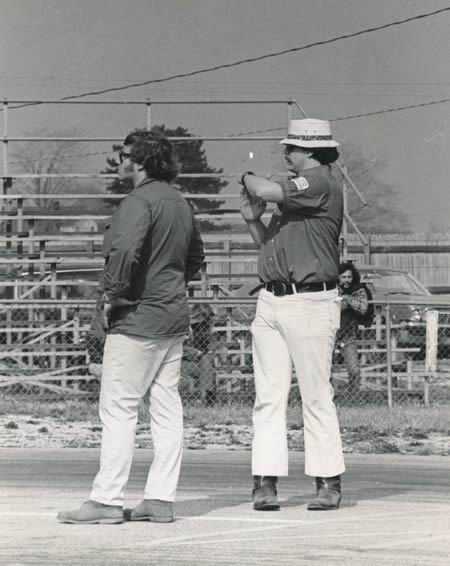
(354, 307)
(202, 320)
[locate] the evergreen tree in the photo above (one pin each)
(192, 158)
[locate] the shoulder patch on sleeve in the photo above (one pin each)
(301, 183)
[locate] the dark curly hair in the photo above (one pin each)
(348, 266)
(153, 151)
(325, 155)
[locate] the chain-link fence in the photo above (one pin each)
(48, 350)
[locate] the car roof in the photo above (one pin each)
(382, 269)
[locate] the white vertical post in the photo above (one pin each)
(76, 327)
(409, 374)
(432, 319)
(344, 232)
(20, 223)
(228, 270)
(9, 327)
(241, 351)
(389, 355)
(5, 138)
(149, 115)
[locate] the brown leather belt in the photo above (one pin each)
(281, 288)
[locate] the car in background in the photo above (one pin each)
(388, 284)
(409, 321)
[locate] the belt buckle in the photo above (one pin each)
(279, 288)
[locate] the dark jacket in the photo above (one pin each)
(154, 249)
(355, 304)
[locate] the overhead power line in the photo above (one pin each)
(351, 116)
(255, 59)
(389, 110)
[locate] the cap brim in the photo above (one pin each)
(309, 144)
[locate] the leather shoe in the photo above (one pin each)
(265, 496)
(153, 510)
(328, 494)
(91, 513)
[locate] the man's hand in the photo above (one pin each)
(252, 208)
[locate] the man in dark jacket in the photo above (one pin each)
(155, 248)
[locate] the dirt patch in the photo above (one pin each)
(22, 431)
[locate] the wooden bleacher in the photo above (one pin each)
(32, 263)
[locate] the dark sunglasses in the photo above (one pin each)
(124, 155)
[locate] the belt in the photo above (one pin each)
(280, 288)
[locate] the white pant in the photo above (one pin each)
(130, 366)
(301, 328)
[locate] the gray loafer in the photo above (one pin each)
(153, 510)
(92, 513)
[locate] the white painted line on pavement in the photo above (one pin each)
(190, 538)
(188, 541)
(338, 518)
(241, 519)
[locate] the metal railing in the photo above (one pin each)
(48, 350)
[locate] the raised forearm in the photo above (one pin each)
(260, 187)
(257, 231)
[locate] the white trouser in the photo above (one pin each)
(301, 328)
(130, 366)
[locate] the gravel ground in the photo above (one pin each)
(22, 431)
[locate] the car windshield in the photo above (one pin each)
(393, 283)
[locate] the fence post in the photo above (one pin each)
(41, 258)
(149, 115)
(9, 320)
(432, 319)
(367, 251)
(5, 138)
(204, 279)
(31, 227)
(227, 249)
(76, 326)
(389, 355)
(20, 215)
(344, 231)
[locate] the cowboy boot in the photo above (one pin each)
(328, 494)
(265, 493)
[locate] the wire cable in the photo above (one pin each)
(389, 110)
(352, 116)
(297, 49)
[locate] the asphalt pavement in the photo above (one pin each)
(396, 511)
